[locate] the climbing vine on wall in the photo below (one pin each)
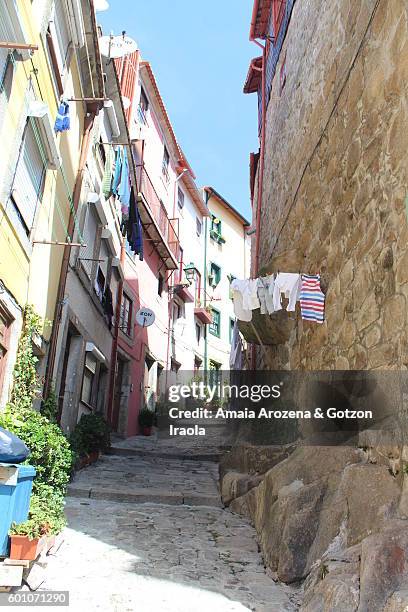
(26, 383)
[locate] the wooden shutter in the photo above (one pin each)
(28, 184)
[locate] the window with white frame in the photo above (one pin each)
(199, 226)
(180, 198)
(88, 380)
(28, 183)
(58, 43)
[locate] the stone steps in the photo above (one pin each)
(179, 456)
(144, 496)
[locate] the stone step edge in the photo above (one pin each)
(144, 496)
(133, 452)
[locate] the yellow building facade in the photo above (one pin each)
(41, 64)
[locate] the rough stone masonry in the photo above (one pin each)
(335, 183)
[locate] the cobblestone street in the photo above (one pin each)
(167, 545)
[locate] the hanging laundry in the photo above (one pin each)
(266, 286)
(124, 185)
(312, 298)
(134, 230)
(245, 297)
(288, 284)
(118, 171)
(62, 121)
(107, 305)
(237, 349)
(107, 175)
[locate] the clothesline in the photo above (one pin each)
(266, 293)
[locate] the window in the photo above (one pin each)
(180, 272)
(125, 320)
(177, 312)
(198, 329)
(100, 283)
(58, 43)
(88, 380)
(215, 230)
(231, 329)
(5, 328)
(199, 227)
(215, 372)
(215, 275)
(6, 81)
(160, 284)
(180, 198)
(165, 164)
(215, 325)
(143, 106)
(279, 7)
(28, 183)
(215, 224)
(174, 365)
(198, 362)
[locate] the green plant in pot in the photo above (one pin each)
(146, 420)
(45, 520)
(91, 436)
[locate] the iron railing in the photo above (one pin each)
(169, 228)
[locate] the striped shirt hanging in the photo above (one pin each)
(312, 298)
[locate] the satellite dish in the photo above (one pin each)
(126, 102)
(101, 5)
(145, 317)
(117, 46)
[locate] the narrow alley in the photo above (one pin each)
(167, 545)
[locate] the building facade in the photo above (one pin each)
(41, 61)
(330, 181)
(227, 257)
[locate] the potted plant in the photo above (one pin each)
(46, 519)
(28, 539)
(146, 420)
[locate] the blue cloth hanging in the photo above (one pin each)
(62, 121)
(134, 227)
(118, 171)
(124, 185)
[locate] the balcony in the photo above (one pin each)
(203, 315)
(159, 229)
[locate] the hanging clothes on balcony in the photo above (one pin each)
(237, 349)
(118, 171)
(124, 185)
(312, 298)
(107, 305)
(107, 174)
(288, 284)
(266, 286)
(245, 296)
(62, 121)
(134, 230)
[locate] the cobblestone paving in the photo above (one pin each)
(180, 555)
(154, 558)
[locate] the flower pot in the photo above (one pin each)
(147, 431)
(28, 550)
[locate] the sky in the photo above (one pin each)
(200, 53)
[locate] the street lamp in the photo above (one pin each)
(191, 272)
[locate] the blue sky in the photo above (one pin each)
(200, 55)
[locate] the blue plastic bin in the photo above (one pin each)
(14, 503)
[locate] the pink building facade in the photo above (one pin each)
(172, 212)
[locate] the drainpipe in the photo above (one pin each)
(86, 140)
(114, 352)
(255, 266)
(207, 198)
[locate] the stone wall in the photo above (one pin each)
(335, 183)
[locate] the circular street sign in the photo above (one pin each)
(117, 46)
(145, 317)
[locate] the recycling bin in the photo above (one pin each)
(16, 482)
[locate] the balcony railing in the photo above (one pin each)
(167, 228)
